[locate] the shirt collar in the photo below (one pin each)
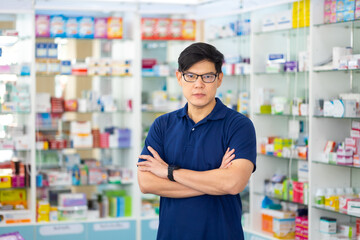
(218, 112)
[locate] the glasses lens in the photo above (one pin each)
(190, 77)
(209, 78)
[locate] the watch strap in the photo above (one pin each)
(171, 169)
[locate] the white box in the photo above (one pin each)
(269, 23)
(82, 141)
(284, 20)
(354, 207)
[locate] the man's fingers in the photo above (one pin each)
(145, 163)
(146, 157)
(154, 153)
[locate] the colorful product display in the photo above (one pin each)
(82, 27)
(168, 29)
(341, 10)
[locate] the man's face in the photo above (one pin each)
(200, 94)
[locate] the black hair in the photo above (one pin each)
(198, 52)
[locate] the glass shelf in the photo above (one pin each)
(237, 37)
(82, 149)
(330, 210)
(87, 185)
(294, 158)
(148, 77)
(336, 165)
(88, 39)
(5, 113)
(337, 70)
(277, 198)
(92, 112)
(336, 117)
(17, 150)
(280, 73)
(74, 75)
(290, 31)
(337, 23)
(154, 111)
(280, 115)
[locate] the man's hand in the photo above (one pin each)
(155, 164)
(227, 158)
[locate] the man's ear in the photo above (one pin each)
(179, 76)
(219, 80)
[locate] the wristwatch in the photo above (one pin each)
(171, 169)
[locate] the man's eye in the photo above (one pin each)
(190, 75)
(208, 76)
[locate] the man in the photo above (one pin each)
(199, 158)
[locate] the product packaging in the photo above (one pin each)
(72, 27)
(101, 28)
(162, 28)
(188, 29)
(115, 28)
(86, 27)
(42, 26)
(57, 26)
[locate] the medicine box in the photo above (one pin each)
(284, 228)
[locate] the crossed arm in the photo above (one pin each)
(230, 178)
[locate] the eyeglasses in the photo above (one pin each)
(206, 78)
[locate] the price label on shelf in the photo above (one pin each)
(63, 229)
(111, 226)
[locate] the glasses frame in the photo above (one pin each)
(201, 76)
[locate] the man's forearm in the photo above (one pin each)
(231, 180)
(149, 183)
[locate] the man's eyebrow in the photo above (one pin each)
(201, 74)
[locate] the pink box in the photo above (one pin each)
(42, 26)
(104, 140)
(354, 133)
(18, 181)
(100, 28)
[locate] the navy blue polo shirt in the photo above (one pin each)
(200, 147)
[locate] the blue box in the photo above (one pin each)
(41, 50)
(0, 52)
(57, 26)
(86, 27)
(65, 68)
(52, 50)
(340, 6)
(349, 15)
(72, 27)
(349, 5)
(340, 16)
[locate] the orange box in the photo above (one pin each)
(5, 181)
(115, 28)
(267, 223)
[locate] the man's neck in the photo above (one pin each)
(197, 114)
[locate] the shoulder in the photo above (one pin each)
(236, 119)
(167, 118)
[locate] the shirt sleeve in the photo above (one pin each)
(154, 139)
(242, 138)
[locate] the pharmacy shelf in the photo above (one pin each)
(229, 38)
(154, 111)
(159, 77)
(149, 218)
(90, 112)
(333, 211)
(82, 149)
(335, 165)
(20, 113)
(336, 117)
(97, 220)
(281, 115)
(260, 234)
(86, 39)
(280, 73)
(284, 31)
(19, 212)
(13, 149)
(336, 70)
(83, 75)
(287, 158)
(87, 185)
(337, 23)
(280, 199)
